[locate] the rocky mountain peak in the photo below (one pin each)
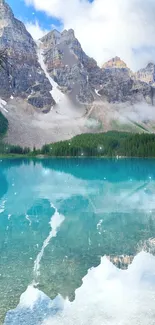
(68, 35)
(150, 65)
(68, 64)
(115, 62)
(32, 67)
(11, 29)
(51, 39)
(58, 67)
(6, 16)
(22, 76)
(147, 74)
(54, 38)
(3, 3)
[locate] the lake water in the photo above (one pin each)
(64, 223)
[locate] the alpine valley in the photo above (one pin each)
(50, 90)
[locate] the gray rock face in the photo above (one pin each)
(76, 74)
(147, 74)
(118, 84)
(68, 64)
(22, 76)
(79, 75)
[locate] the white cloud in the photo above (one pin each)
(35, 30)
(107, 28)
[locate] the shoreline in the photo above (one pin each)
(15, 156)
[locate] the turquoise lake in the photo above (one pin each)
(59, 218)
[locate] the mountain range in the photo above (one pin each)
(51, 89)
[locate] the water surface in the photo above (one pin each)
(58, 217)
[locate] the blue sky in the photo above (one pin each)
(29, 14)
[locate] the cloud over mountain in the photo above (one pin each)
(35, 30)
(107, 28)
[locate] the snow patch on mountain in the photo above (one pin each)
(97, 92)
(57, 95)
(3, 104)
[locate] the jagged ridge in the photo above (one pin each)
(87, 98)
(22, 76)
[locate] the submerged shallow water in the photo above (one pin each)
(58, 219)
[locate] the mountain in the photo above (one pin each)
(147, 74)
(68, 65)
(120, 84)
(51, 90)
(79, 76)
(115, 63)
(23, 76)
